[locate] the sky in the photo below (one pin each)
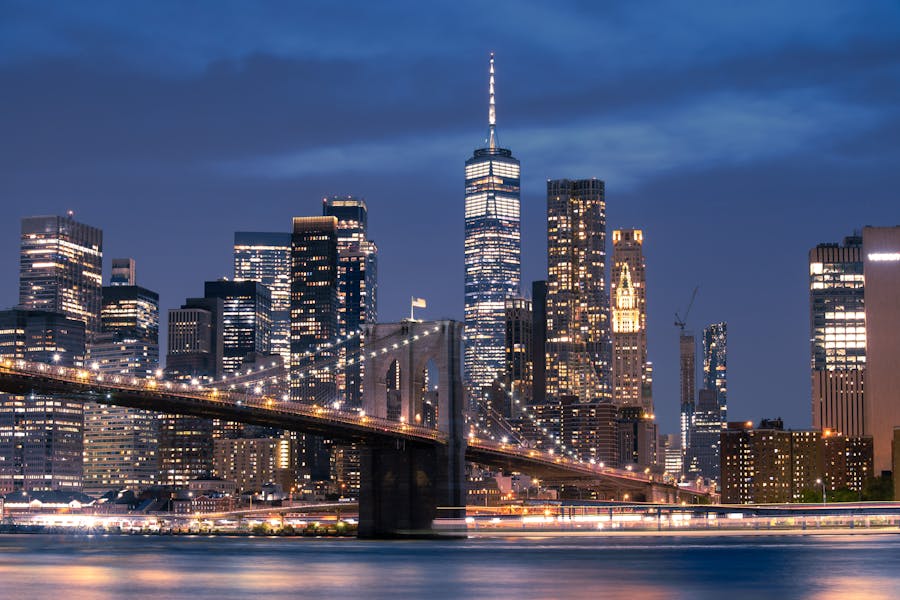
(737, 135)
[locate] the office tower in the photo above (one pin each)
(629, 321)
(670, 454)
(687, 350)
(838, 336)
(771, 464)
(715, 365)
(577, 318)
(881, 268)
(357, 275)
(314, 307)
(636, 437)
(41, 436)
(492, 254)
(120, 444)
(246, 317)
(60, 268)
(194, 353)
(539, 341)
(588, 430)
(266, 258)
(123, 272)
(519, 341)
(705, 432)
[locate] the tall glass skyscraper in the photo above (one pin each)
(266, 257)
(577, 307)
(838, 336)
(246, 317)
(60, 268)
(357, 274)
(492, 254)
(715, 365)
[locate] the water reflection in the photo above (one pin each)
(638, 568)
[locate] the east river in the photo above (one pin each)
(648, 567)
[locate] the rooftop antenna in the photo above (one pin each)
(492, 109)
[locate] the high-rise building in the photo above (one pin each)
(838, 336)
(357, 275)
(687, 351)
(702, 457)
(60, 268)
(41, 436)
(881, 269)
(715, 365)
(266, 258)
(251, 463)
(123, 272)
(492, 254)
(629, 321)
(519, 353)
(120, 443)
(588, 429)
(539, 341)
(314, 306)
(246, 318)
(194, 353)
(636, 437)
(577, 344)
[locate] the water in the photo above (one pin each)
(638, 568)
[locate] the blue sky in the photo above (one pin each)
(737, 135)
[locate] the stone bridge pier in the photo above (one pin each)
(404, 486)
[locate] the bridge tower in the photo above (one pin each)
(404, 486)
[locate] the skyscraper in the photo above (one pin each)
(314, 306)
(41, 436)
(687, 351)
(357, 275)
(266, 258)
(577, 344)
(246, 318)
(492, 253)
(539, 342)
(123, 272)
(60, 268)
(194, 353)
(629, 321)
(120, 444)
(709, 415)
(838, 336)
(519, 355)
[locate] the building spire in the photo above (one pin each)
(492, 109)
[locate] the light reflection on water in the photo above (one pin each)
(819, 568)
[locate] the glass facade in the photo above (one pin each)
(61, 268)
(578, 332)
(314, 306)
(246, 319)
(838, 336)
(357, 273)
(266, 258)
(492, 256)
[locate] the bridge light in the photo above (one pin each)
(95, 366)
(56, 358)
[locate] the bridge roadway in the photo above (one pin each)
(22, 377)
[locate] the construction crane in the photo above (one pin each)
(682, 321)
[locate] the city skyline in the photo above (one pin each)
(679, 204)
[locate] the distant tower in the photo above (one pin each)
(630, 380)
(519, 356)
(357, 286)
(577, 308)
(266, 257)
(314, 306)
(492, 254)
(60, 269)
(123, 272)
(247, 319)
(687, 350)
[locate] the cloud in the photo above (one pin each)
(717, 129)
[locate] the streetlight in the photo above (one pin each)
(824, 497)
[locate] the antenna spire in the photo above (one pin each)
(492, 109)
